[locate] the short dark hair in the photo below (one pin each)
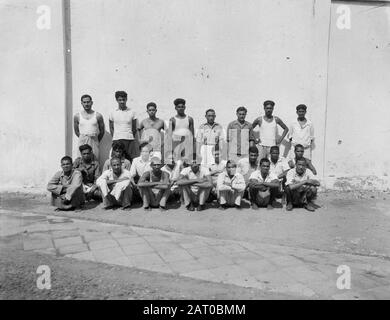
(298, 146)
(269, 102)
(85, 147)
(264, 160)
(253, 150)
(67, 158)
(301, 106)
(302, 159)
(85, 96)
(233, 163)
(274, 148)
(117, 145)
(241, 109)
(178, 101)
(209, 110)
(144, 144)
(122, 94)
(151, 104)
(115, 158)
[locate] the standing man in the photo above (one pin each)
(154, 186)
(302, 132)
(66, 187)
(208, 139)
(268, 129)
(196, 185)
(263, 186)
(89, 125)
(150, 130)
(123, 126)
(238, 130)
(115, 186)
(301, 187)
(230, 187)
(181, 127)
(89, 168)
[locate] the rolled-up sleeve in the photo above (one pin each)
(54, 185)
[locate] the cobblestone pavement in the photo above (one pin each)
(303, 273)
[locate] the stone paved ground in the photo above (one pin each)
(292, 270)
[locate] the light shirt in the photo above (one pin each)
(268, 131)
(257, 176)
(207, 134)
(189, 174)
(89, 127)
(123, 123)
(71, 183)
(126, 164)
(279, 167)
(139, 167)
(221, 166)
(236, 182)
(294, 177)
(244, 167)
(235, 131)
(301, 135)
(110, 175)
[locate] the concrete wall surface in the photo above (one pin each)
(31, 93)
(214, 53)
(357, 153)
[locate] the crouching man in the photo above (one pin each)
(301, 187)
(66, 187)
(89, 168)
(154, 186)
(196, 185)
(263, 187)
(115, 186)
(230, 187)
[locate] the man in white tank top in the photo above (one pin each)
(89, 125)
(180, 138)
(268, 130)
(123, 126)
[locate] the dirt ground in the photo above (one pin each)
(352, 222)
(73, 279)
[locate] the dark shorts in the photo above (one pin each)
(131, 148)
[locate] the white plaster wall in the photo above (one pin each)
(31, 94)
(214, 53)
(358, 129)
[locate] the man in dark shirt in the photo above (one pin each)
(89, 168)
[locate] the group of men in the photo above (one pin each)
(157, 163)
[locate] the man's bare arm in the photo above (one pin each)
(111, 123)
(285, 130)
(311, 167)
(102, 128)
(76, 124)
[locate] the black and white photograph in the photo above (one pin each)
(221, 151)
